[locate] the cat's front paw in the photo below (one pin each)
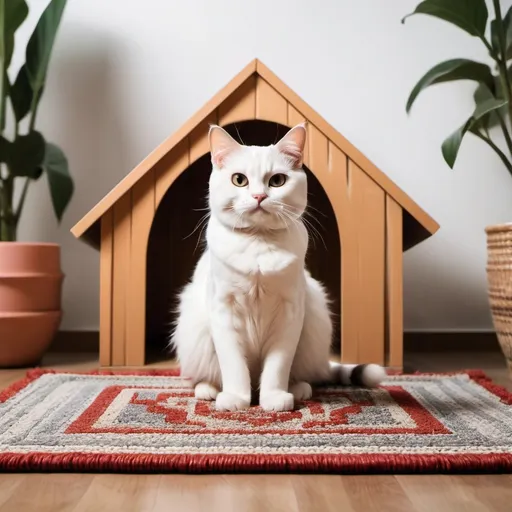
(277, 401)
(205, 391)
(301, 391)
(231, 402)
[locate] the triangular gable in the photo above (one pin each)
(254, 75)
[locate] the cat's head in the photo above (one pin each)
(257, 187)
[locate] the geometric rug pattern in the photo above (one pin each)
(150, 422)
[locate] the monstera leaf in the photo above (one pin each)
(26, 154)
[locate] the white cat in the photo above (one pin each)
(252, 316)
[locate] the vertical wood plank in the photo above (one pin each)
(198, 138)
(349, 279)
(337, 190)
(121, 261)
(241, 105)
(143, 212)
(336, 185)
(270, 105)
(318, 154)
(367, 208)
(169, 168)
(106, 261)
(394, 284)
(295, 118)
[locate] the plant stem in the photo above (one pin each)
(489, 47)
(33, 109)
(498, 151)
(7, 219)
(506, 133)
(17, 214)
(21, 201)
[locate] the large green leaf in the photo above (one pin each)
(451, 145)
(507, 27)
(40, 45)
(495, 39)
(12, 15)
(450, 70)
(60, 181)
(26, 155)
(15, 13)
(21, 94)
(4, 148)
(481, 94)
(2, 64)
(469, 15)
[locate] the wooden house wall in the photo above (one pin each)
(369, 222)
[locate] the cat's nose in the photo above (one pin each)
(259, 197)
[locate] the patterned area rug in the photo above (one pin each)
(150, 422)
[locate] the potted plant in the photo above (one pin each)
(493, 110)
(30, 273)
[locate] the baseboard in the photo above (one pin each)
(76, 341)
(431, 341)
(414, 341)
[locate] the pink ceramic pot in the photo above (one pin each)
(30, 301)
(25, 337)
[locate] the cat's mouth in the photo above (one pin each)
(259, 209)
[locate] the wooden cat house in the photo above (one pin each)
(148, 227)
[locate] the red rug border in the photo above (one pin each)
(224, 463)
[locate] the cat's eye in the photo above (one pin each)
(239, 180)
(278, 180)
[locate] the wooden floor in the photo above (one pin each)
(240, 493)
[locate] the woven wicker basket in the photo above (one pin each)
(499, 278)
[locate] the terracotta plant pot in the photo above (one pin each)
(30, 301)
(499, 278)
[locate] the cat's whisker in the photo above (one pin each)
(312, 217)
(295, 222)
(315, 231)
(290, 212)
(302, 220)
(200, 237)
(282, 217)
(309, 207)
(201, 221)
(238, 133)
(238, 219)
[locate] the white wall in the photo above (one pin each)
(125, 74)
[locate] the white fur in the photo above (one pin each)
(252, 317)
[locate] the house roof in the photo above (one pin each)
(416, 220)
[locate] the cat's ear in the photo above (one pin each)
(221, 145)
(293, 143)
